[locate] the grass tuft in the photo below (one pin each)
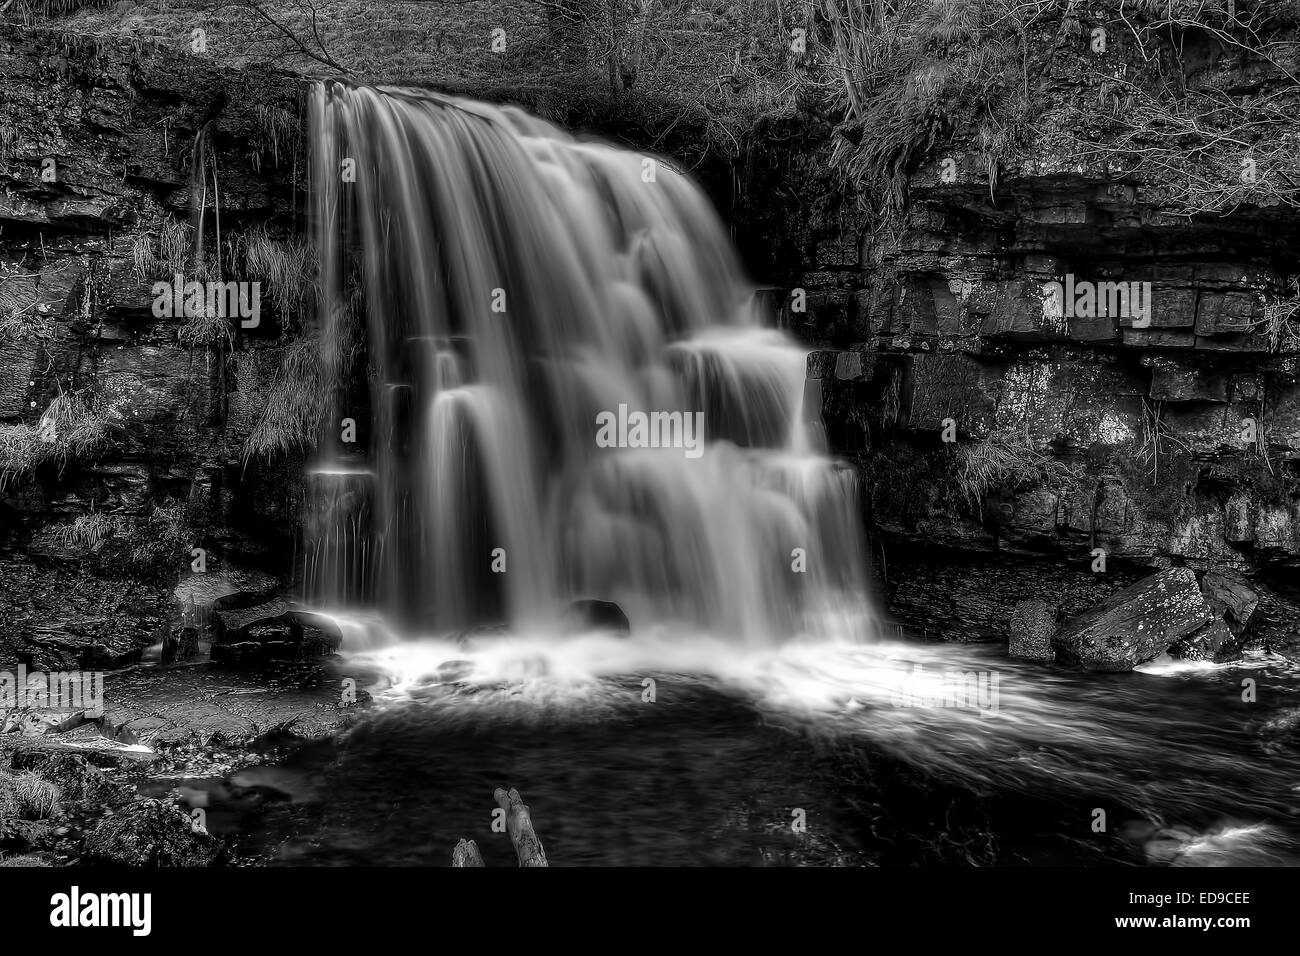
(88, 532)
(296, 406)
(1005, 458)
(74, 427)
(27, 796)
(287, 266)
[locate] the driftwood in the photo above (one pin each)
(519, 824)
(466, 854)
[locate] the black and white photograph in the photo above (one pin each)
(853, 435)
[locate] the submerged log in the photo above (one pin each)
(466, 854)
(520, 824)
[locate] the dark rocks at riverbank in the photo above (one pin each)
(152, 833)
(1135, 625)
(1209, 617)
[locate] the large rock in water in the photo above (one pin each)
(1232, 597)
(1136, 624)
(591, 615)
(1233, 602)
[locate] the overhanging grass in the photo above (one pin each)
(295, 408)
(1004, 458)
(75, 426)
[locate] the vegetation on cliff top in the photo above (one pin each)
(1181, 93)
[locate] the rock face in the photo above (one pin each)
(1135, 625)
(1134, 433)
(96, 197)
(1032, 625)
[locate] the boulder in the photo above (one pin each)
(1232, 598)
(591, 615)
(1135, 625)
(1032, 625)
(35, 721)
(1214, 642)
(227, 588)
(151, 833)
(237, 622)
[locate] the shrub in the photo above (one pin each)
(1006, 457)
(915, 73)
(75, 426)
(152, 546)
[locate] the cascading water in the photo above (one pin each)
(518, 285)
(519, 288)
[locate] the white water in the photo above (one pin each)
(518, 284)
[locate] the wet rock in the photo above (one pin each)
(1175, 381)
(970, 596)
(226, 588)
(1136, 624)
(1232, 597)
(151, 833)
(1239, 519)
(1032, 625)
(939, 387)
(236, 622)
(592, 615)
(183, 706)
(180, 645)
(1214, 642)
(34, 721)
(99, 750)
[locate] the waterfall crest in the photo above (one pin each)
(522, 290)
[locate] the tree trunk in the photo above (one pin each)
(615, 48)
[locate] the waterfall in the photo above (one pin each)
(526, 293)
